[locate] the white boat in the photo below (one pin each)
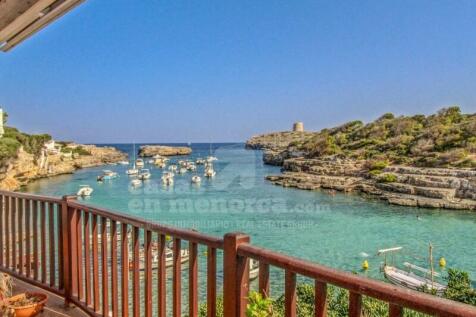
(196, 179)
(169, 258)
(209, 171)
(167, 178)
(136, 182)
(407, 278)
(150, 161)
(254, 269)
(108, 174)
(211, 159)
(124, 162)
(140, 163)
(85, 190)
(182, 170)
(172, 167)
(144, 174)
(133, 170)
(199, 161)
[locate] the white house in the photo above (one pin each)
(2, 131)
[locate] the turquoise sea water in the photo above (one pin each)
(333, 229)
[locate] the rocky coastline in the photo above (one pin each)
(25, 167)
(163, 150)
(448, 188)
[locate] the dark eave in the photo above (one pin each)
(19, 19)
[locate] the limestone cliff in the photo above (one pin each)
(16, 172)
(411, 161)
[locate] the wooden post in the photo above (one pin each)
(66, 224)
(235, 279)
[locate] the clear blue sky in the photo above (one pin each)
(168, 71)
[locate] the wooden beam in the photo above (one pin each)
(54, 14)
(25, 19)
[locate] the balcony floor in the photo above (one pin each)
(55, 305)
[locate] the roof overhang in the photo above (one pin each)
(19, 19)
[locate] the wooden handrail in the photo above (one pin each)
(358, 284)
(83, 250)
(184, 234)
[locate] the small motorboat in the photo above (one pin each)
(407, 278)
(172, 167)
(84, 190)
(196, 179)
(254, 269)
(144, 174)
(211, 159)
(169, 258)
(209, 171)
(108, 174)
(199, 161)
(123, 163)
(150, 161)
(182, 170)
(140, 163)
(132, 171)
(167, 178)
(136, 182)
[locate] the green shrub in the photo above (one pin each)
(387, 178)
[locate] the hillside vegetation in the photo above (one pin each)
(447, 138)
(13, 139)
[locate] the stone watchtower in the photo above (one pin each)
(298, 127)
(2, 131)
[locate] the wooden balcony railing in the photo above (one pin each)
(110, 264)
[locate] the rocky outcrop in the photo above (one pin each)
(409, 186)
(162, 150)
(276, 140)
(25, 168)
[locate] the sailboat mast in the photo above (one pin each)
(431, 265)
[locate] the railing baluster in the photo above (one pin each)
(105, 275)
(136, 274)
(114, 264)
(7, 229)
(148, 273)
(320, 300)
(211, 281)
(95, 264)
(177, 278)
(264, 278)
(355, 305)
(193, 280)
(20, 236)
(162, 277)
(87, 257)
(395, 311)
(79, 253)
(235, 275)
(125, 271)
(51, 239)
(73, 250)
(28, 237)
(35, 240)
(43, 242)
(290, 293)
(64, 257)
(14, 234)
(2, 230)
